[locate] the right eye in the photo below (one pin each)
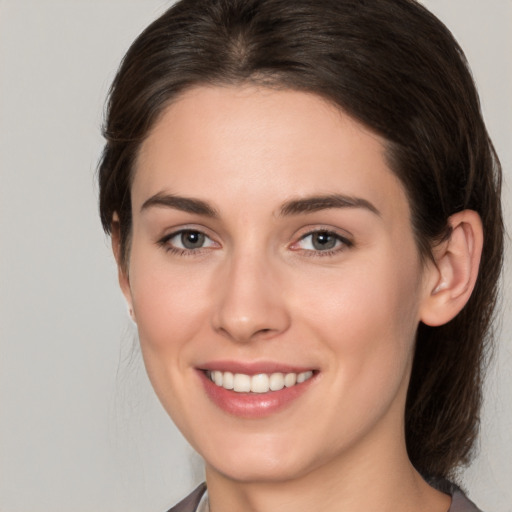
(186, 241)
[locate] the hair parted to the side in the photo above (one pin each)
(398, 70)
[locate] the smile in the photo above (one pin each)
(259, 383)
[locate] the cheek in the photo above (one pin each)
(170, 305)
(171, 311)
(367, 317)
(374, 295)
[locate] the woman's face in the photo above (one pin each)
(272, 245)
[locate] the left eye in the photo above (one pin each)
(321, 241)
(189, 239)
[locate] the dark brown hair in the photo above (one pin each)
(397, 69)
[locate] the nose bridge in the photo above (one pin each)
(250, 299)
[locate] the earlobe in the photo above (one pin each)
(122, 270)
(453, 276)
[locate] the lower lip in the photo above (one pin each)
(253, 405)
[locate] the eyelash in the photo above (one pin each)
(344, 243)
(178, 251)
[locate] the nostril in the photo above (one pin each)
(249, 316)
(264, 333)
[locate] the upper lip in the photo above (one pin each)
(253, 367)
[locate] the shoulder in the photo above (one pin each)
(460, 503)
(189, 504)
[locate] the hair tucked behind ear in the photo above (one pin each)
(394, 67)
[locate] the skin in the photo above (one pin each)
(259, 290)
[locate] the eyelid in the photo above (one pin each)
(345, 239)
(164, 241)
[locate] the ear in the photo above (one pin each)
(122, 265)
(452, 277)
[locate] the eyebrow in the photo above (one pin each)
(185, 204)
(317, 203)
(293, 207)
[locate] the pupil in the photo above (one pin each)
(192, 239)
(323, 241)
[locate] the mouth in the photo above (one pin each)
(255, 391)
(259, 383)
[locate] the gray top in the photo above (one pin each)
(197, 501)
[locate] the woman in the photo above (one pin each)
(304, 207)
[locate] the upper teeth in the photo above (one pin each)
(260, 383)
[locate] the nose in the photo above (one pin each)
(250, 302)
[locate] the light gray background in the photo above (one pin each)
(80, 429)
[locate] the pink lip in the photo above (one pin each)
(252, 405)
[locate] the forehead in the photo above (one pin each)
(218, 142)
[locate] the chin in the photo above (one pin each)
(263, 462)
(257, 471)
